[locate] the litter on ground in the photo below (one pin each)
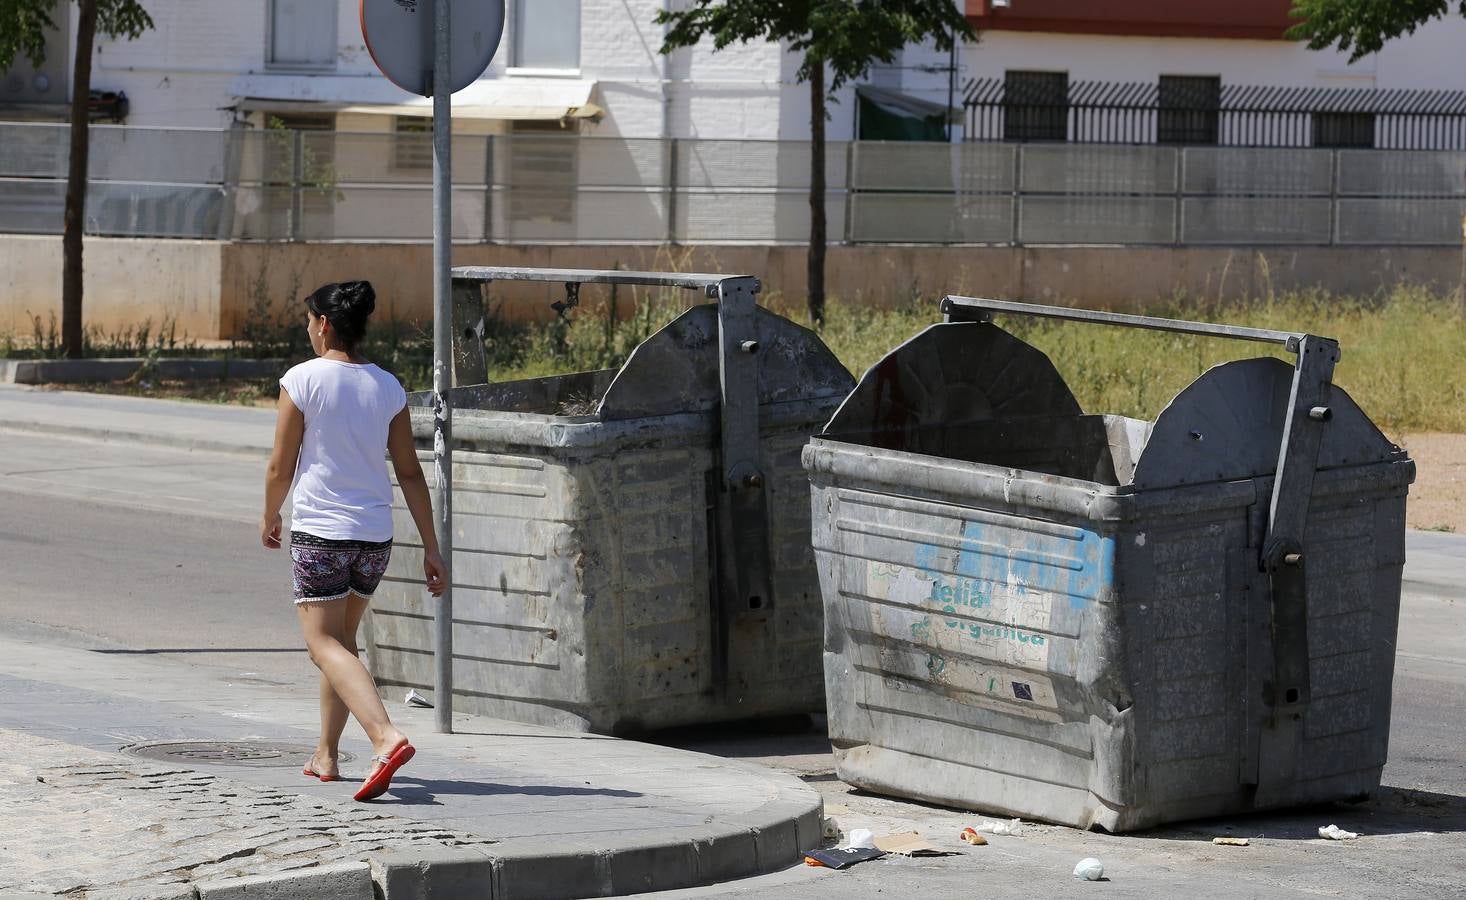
(1012, 827)
(840, 859)
(1335, 833)
(910, 844)
(970, 836)
(1089, 869)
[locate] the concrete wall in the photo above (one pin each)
(126, 282)
(1114, 277)
(212, 288)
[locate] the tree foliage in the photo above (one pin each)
(844, 36)
(848, 36)
(1363, 26)
(24, 23)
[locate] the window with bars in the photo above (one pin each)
(412, 143)
(1189, 109)
(1334, 129)
(1035, 106)
(543, 174)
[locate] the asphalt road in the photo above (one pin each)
(124, 548)
(144, 550)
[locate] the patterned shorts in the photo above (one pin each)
(327, 569)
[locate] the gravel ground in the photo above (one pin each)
(1438, 497)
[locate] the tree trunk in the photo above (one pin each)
(76, 181)
(817, 196)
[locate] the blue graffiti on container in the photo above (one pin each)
(1079, 569)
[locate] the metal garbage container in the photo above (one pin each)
(1096, 620)
(631, 547)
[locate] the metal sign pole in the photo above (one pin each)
(442, 356)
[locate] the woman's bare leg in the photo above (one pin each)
(324, 625)
(333, 710)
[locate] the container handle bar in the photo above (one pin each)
(707, 283)
(971, 309)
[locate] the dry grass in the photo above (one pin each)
(1402, 356)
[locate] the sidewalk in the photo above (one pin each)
(172, 423)
(495, 810)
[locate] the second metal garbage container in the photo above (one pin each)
(1096, 620)
(631, 547)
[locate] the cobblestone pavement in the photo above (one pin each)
(118, 827)
(535, 811)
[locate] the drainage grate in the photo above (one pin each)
(227, 753)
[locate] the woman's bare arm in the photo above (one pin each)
(289, 431)
(419, 502)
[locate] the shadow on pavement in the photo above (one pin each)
(150, 651)
(1390, 811)
(537, 735)
(797, 735)
(408, 790)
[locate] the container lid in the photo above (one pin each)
(1226, 425)
(676, 369)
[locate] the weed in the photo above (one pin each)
(130, 341)
(1400, 362)
(1401, 352)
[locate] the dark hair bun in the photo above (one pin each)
(347, 306)
(357, 298)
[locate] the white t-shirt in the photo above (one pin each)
(342, 491)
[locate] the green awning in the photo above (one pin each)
(886, 115)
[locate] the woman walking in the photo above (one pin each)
(338, 416)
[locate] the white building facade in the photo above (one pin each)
(591, 66)
(594, 66)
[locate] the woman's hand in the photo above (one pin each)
(270, 531)
(436, 571)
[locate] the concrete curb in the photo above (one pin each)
(71, 371)
(136, 437)
(341, 881)
(771, 838)
(441, 875)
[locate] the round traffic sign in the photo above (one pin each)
(399, 36)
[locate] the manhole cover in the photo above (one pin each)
(228, 753)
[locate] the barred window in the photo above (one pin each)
(1189, 109)
(1343, 130)
(1035, 106)
(412, 144)
(543, 166)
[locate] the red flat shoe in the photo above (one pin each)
(308, 771)
(380, 780)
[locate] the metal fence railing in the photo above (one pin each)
(276, 185)
(1200, 110)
